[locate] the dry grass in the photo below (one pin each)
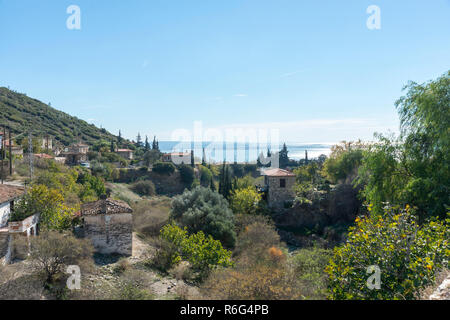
(150, 215)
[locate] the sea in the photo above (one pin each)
(243, 152)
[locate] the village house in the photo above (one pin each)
(8, 196)
(43, 156)
(108, 224)
(279, 185)
(125, 153)
(76, 154)
(15, 150)
(177, 157)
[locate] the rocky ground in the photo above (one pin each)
(105, 279)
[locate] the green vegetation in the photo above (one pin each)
(201, 209)
(202, 252)
(246, 200)
(22, 113)
(164, 167)
(414, 168)
(408, 255)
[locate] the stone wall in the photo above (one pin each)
(110, 233)
(277, 196)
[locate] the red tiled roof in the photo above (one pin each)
(277, 172)
(8, 192)
(43, 156)
(177, 154)
(107, 206)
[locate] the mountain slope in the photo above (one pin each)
(23, 113)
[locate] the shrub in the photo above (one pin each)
(52, 251)
(245, 200)
(309, 266)
(144, 188)
(202, 252)
(186, 174)
(205, 176)
(407, 254)
(204, 210)
(164, 168)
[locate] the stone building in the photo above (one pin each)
(109, 224)
(279, 185)
(76, 154)
(125, 153)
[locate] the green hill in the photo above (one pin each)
(23, 114)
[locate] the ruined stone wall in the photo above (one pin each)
(110, 233)
(277, 195)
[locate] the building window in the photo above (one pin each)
(282, 183)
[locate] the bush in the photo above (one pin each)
(203, 253)
(52, 251)
(309, 266)
(245, 201)
(144, 188)
(205, 176)
(407, 254)
(186, 174)
(164, 168)
(204, 210)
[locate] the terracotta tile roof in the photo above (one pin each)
(177, 154)
(8, 192)
(43, 156)
(277, 172)
(107, 206)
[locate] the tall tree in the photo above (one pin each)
(414, 169)
(147, 144)
(119, 138)
(284, 159)
(139, 140)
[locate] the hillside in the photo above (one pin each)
(23, 113)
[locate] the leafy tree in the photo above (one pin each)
(407, 254)
(186, 174)
(164, 167)
(151, 156)
(414, 168)
(204, 210)
(245, 200)
(344, 161)
(205, 176)
(49, 204)
(203, 252)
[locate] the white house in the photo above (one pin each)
(8, 195)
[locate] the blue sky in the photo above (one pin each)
(311, 69)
